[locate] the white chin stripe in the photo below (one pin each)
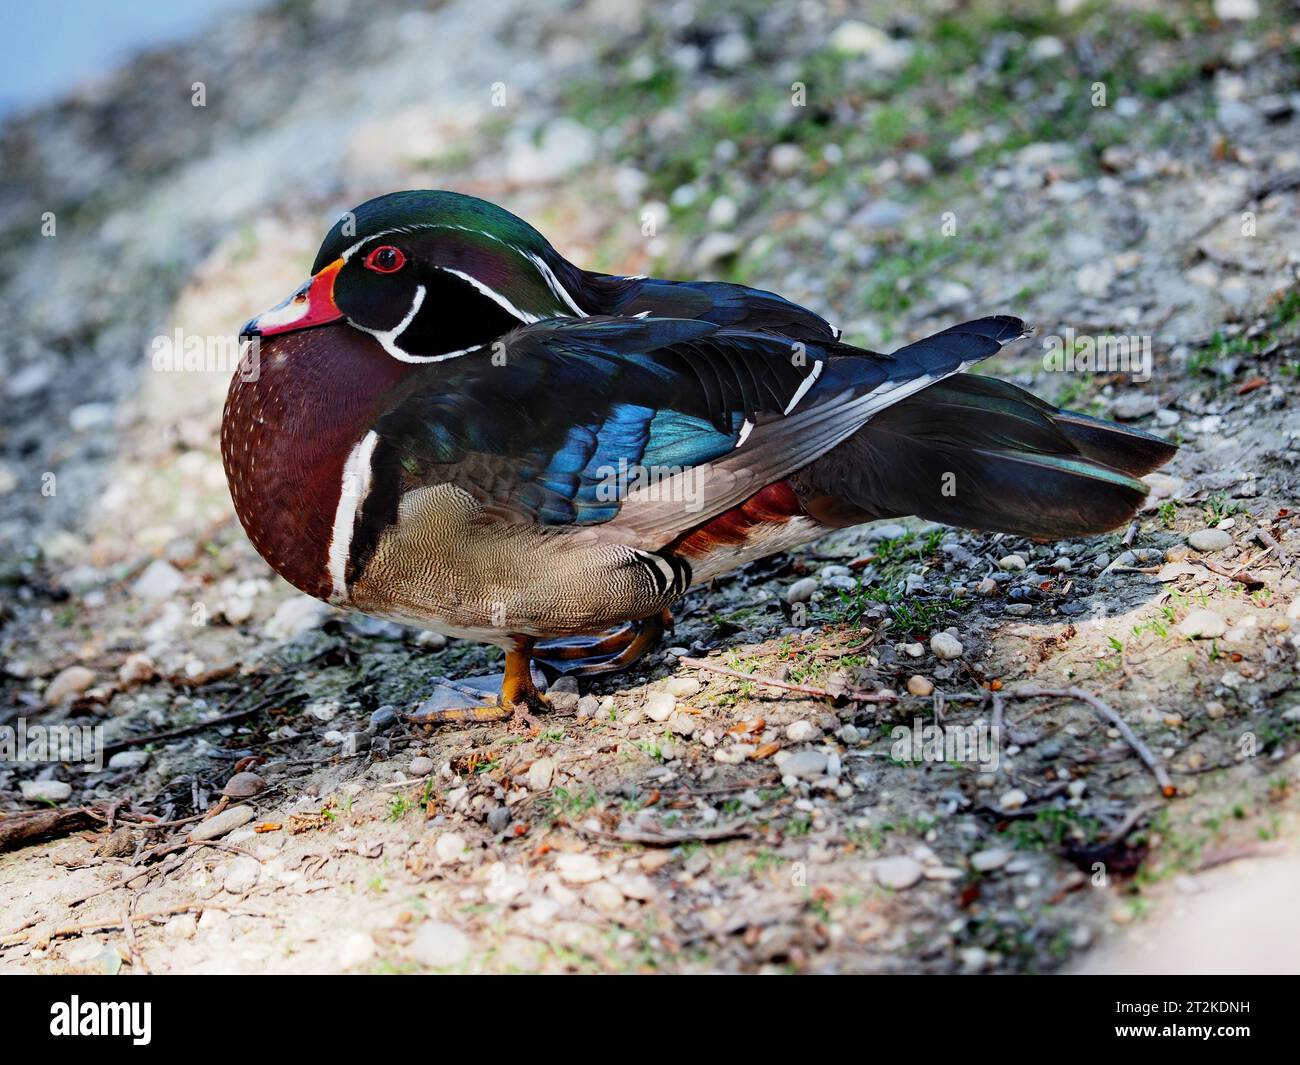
(388, 337)
(353, 490)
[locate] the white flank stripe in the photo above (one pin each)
(352, 493)
(806, 384)
(745, 430)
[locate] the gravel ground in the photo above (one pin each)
(742, 800)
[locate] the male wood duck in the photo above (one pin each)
(455, 428)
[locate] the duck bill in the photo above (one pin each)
(313, 304)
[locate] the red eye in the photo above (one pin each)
(385, 259)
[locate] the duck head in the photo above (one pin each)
(430, 275)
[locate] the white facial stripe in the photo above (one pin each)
(494, 296)
(804, 385)
(554, 283)
(548, 275)
(352, 494)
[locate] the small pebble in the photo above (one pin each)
(897, 873)
(986, 861)
(382, 718)
(137, 669)
(1012, 563)
(439, 945)
(450, 848)
(806, 765)
(946, 646)
(226, 821)
(1209, 540)
(801, 591)
(69, 682)
(45, 790)
(243, 786)
(578, 868)
(1013, 799)
(540, 774)
(357, 948)
(242, 875)
(919, 685)
(603, 896)
(660, 706)
(683, 724)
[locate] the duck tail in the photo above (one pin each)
(982, 454)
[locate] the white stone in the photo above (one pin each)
(440, 945)
(802, 731)
(160, 580)
(946, 646)
(659, 706)
(897, 873)
(1013, 799)
(45, 790)
(1203, 624)
(296, 616)
(540, 774)
(578, 868)
(68, 682)
(1209, 540)
(450, 848)
(801, 591)
(986, 861)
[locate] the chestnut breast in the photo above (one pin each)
(286, 433)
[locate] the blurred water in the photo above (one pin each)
(53, 45)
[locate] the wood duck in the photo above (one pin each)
(453, 427)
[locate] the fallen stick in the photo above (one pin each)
(33, 826)
(1232, 575)
(1167, 787)
(159, 852)
(69, 931)
(189, 730)
(853, 694)
(671, 839)
(1267, 539)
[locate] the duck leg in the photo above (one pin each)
(518, 692)
(471, 701)
(474, 701)
(614, 649)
